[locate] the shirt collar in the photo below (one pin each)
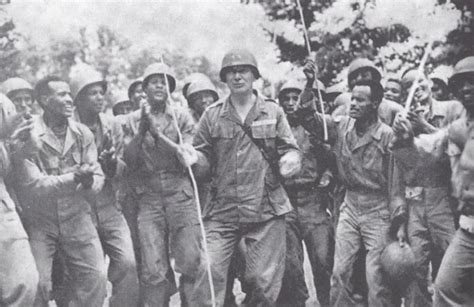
(259, 105)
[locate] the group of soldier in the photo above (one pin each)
(347, 173)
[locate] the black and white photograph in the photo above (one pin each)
(236, 153)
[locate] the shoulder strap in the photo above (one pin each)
(267, 153)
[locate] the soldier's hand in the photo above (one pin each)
(21, 128)
(84, 175)
(325, 180)
(402, 235)
(402, 126)
(290, 164)
(144, 125)
(310, 70)
(187, 155)
(108, 162)
(154, 126)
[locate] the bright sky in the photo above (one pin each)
(197, 27)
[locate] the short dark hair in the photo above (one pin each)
(42, 86)
(396, 80)
(376, 89)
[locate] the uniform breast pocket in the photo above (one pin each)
(264, 131)
(372, 159)
(222, 131)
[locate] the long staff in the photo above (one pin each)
(308, 47)
(196, 196)
(419, 74)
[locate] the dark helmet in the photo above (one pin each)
(238, 57)
(159, 69)
(461, 69)
(398, 263)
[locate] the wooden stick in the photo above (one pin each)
(419, 74)
(196, 196)
(308, 47)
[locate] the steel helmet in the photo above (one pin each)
(159, 69)
(121, 96)
(360, 63)
(237, 57)
(84, 78)
(398, 263)
(15, 84)
(191, 78)
(463, 67)
(290, 85)
(202, 85)
(132, 86)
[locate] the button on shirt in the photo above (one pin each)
(244, 188)
(48, 192)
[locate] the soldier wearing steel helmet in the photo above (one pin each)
(453, 285)
(374, 203)
(17, 265)
(363, 69)
(309, 221)
(89, 99)
(136, 94)
(168, 224)
(20, 93)
(200, 94)
(248, 143)
(122, 104)
(431, 224)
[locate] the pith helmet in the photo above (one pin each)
(202, 85)
(14, 84)
(159, 69)
(238, 57)
(361, 63)
(290, 85)
(463, 67)
(85, 78)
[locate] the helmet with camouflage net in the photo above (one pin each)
(159, 69)
(461, 69)
(290, 85)
(238, 57)
(202, 85)
(15, 84)
(84, 78)
(363, 63)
